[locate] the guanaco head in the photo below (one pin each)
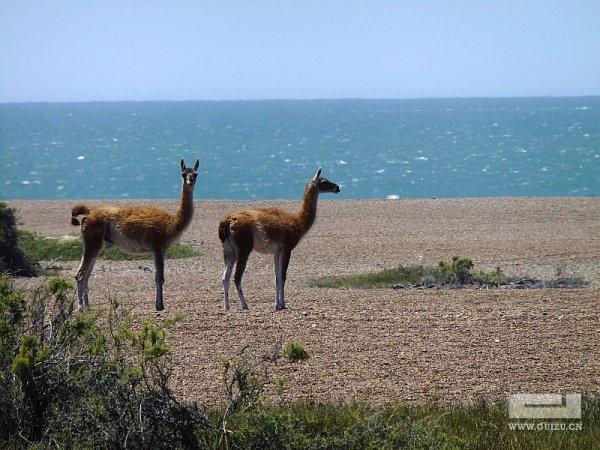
(323, 184)
(189, 175)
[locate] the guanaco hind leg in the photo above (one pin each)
(229, 257)
(277, 267)
(240, 267)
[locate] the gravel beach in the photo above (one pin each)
(379, 345)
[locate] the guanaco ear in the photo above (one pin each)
(318, 174)
(182, 165)
(196, 165)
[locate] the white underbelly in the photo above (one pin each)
(124, 242)
(263, 245)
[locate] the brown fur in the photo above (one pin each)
(282, 227)
(154, 227)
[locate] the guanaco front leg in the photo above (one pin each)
(277, 267)
(83, 276)
(92, 246)
(284, 261)
(159, 277)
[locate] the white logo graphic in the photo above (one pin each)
(544, 406)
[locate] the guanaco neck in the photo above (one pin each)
(186, 208)
(308, 211)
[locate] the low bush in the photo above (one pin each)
(294, 351)
(68, 382)
(457, 271)
(12, 258)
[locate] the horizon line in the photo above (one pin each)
(282, 99)
(299, 199)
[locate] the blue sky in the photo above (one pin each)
(172, 50)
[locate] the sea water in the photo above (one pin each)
(269, 149)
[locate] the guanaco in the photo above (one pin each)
(268, 230)
(134, 229)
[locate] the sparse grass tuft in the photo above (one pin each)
(294, 351)
(41, 248)
(458, 272)
(453, 273)
(70, 248)
(405, 275)
(177, 251)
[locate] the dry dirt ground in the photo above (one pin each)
(380, 345)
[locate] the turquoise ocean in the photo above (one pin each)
(375, 149)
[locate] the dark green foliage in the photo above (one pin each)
(41, 248)
(294, 351)
(68, 382)
(458, 271)
(12, 258)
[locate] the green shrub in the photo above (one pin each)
(68, 382)
(12, 258)
(458, 271)
(294, 351)
(495, 277)
(70, 248)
